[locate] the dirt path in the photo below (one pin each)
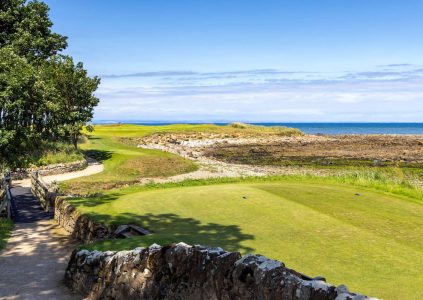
(33, 263)
(94, 167)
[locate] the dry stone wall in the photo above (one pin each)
(79, 226)
(51, 169)
(192, 272)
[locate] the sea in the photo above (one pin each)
(323, 128)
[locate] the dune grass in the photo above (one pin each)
(5, 230)
(369, 240)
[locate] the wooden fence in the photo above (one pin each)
(42, 191)
(5, 196)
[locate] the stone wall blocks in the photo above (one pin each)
(177, 272)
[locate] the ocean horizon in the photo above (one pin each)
(309, 128)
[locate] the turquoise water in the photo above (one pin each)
(326, 128)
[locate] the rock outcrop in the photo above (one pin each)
(192, 272)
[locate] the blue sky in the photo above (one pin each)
(280, 61)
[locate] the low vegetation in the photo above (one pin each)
(5, 229)
(348, 150)
(54, 153)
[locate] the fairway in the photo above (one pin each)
(371, 241)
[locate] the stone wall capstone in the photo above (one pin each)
(180, 271)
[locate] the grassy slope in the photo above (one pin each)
(124, 164)
(5, 229)
(371, 242)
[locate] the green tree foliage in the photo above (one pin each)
(27, 28)
(75, 96)
(44, 96)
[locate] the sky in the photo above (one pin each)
(251, 61)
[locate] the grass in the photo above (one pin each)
(124, 165)
(5, 229)
(372, 241)
(362, 228)
(234, 129)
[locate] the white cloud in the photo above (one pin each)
(265, 95)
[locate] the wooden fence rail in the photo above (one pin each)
(5, 196)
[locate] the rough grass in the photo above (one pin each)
(5, 229)
(124, 165)
(238, 156)
(367, 239)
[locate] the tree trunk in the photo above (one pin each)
(75, 141)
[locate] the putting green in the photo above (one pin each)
(370, 241)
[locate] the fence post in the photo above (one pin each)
(6, 201)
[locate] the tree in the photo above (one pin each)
(26, 28)
(22, 98)
(44, 96)
(75, 96)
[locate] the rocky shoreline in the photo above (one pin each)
(202, 148)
